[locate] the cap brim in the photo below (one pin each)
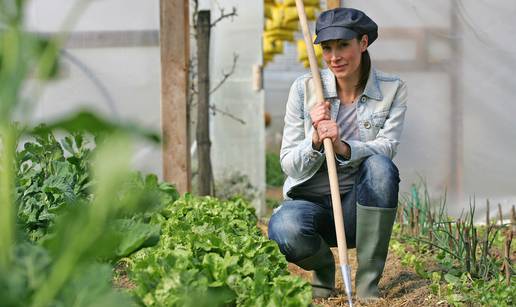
(332, 33)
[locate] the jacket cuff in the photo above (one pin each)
(309, 154)
(356, 149)
(343, 161)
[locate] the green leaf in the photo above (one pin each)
(91, 286)
(87, 121)
(451, 279)
(135, 235)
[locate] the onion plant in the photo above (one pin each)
(470, 247)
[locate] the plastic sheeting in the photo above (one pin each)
(111, 64)
(459, 59)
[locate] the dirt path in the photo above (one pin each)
(399, 286)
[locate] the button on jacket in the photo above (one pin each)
(380, 116)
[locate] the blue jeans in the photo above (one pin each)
(298, 225)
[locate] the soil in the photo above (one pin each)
(399, 286)
(120, 279)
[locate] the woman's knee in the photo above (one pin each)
(378, 182)
(292, 230)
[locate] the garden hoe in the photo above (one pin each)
(330, 157)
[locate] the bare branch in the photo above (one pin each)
(216, 110)
(225, 76)
(193, 78)
(195, 13)
(224, 16)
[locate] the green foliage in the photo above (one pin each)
(272, 203)
(274, 174)
(89, 286)
(50, 175)
(86, 121)
(90, 226)
(22, 54)
(80, 214)
(64, 269)
(212, 249)
(457, 287)
(463, 289)
(467, 264)
(465, 244)
(75, 217)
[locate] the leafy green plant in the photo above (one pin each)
(50, 175)
(213, 249)
(272, 203)
(62, 268)
(273, 173)
(466, 244)
(66, 262)
(468, 262)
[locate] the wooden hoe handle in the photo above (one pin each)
(328, 146)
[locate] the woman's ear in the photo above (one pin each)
(363, 43)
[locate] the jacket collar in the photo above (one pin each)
(372, 89)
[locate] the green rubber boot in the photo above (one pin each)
(374, 228)
(323, 267)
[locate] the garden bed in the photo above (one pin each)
(399, 286)
(419, 273)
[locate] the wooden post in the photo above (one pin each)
(456, 109)
(203, 103)
(488, 217)
(500, 214)
(175, 53)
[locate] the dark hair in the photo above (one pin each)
(365, 68)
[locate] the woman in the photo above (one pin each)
(363, 116)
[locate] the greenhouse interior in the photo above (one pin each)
(216, 153)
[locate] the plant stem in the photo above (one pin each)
(6, 195)
(437, 246)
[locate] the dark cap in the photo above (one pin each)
(346, 24)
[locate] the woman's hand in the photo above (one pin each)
(319, 112)
(330, 129)
(325, 129)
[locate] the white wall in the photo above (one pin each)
(131, 79)
(239, 147)
(129, 76)
(96, 15)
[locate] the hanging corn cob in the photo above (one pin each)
(281, 22)
(302, 56)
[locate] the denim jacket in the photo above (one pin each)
(380, 116)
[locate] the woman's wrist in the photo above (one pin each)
(316, 146)
(316, 143)
(344, 150)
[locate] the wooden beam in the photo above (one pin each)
(175, 52)
(113, 39)
(456, 110)
(106, 39)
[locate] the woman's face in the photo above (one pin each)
(343, 56)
